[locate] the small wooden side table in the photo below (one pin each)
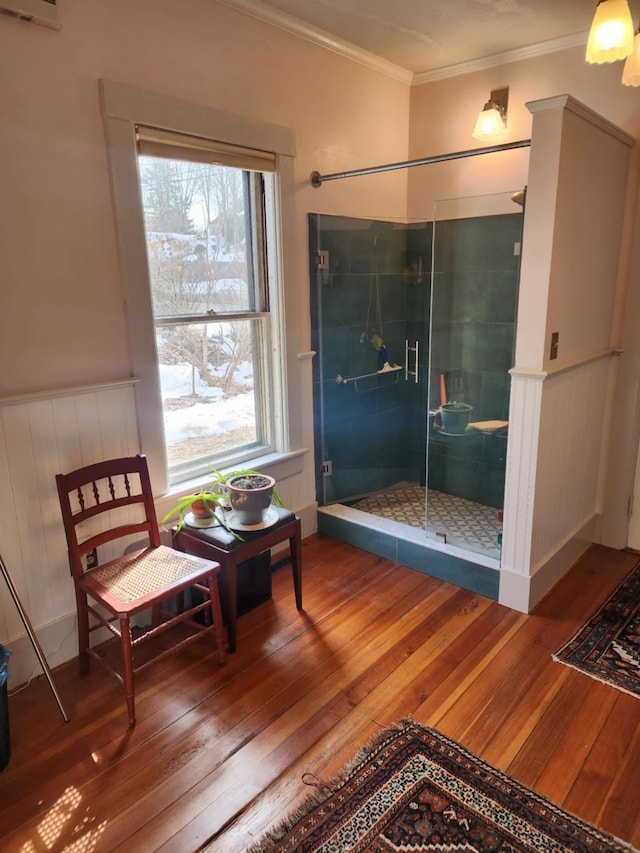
(216, 543)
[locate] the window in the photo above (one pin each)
(204, 217)
(203, 278)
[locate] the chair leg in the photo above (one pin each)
(216, 615)
(83, 632)
(295, 547)
(127, 668)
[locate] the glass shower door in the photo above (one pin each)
(369, 296)
(475, 271)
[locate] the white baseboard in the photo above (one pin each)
(308, 515)
(524, 592)
(514, 590)
(58, 641)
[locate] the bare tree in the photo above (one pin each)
(184, 200)
(169, 187)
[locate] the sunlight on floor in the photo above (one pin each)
(58, 821)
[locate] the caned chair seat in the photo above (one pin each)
(131, 580)
(104, 506)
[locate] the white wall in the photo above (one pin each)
(570, 282)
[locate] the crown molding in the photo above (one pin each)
(295, 26)
(291, 24)
(515, 55)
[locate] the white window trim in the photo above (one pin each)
(123, 107)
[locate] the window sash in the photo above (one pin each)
(257, 265)
(232, 443)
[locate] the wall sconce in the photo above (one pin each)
(492, 119)
(631, 71)
(611, 34)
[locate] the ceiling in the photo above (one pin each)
(433, 37)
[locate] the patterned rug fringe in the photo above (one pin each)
(594, 676)
(278, 832)
(326, 789)
(607, 646)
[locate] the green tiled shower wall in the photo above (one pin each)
(474, 301)
(377, 271)
(374, 433)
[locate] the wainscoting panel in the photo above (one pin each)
(524, 428)
(557, 426)
(42, 435)
(569, 455)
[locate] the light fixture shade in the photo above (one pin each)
(490, 123)
(631, 72)
(611, 35)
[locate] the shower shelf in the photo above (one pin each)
(344, 380)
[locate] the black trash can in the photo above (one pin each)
(5, 740)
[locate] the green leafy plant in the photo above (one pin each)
(215, 500)
(216, 496)
(221, 480)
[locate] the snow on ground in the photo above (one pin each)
(214, 415)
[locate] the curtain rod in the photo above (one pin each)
(317, 179)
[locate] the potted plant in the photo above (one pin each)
(246, 491)
(454, 417)
(207, 506)
(251, 494)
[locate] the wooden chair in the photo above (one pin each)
(105, 507)
(455, 386)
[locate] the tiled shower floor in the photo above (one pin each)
(463, 522)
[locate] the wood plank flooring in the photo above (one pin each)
(219, 753)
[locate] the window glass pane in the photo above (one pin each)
(211, 398)
(196, 218)
(206, 254)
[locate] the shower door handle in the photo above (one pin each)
(407, 349)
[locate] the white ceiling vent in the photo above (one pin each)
(46, 12)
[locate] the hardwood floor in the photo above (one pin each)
(218, 753)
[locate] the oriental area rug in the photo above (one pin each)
(607, 647)
(413, 789)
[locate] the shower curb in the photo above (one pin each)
(415, 553)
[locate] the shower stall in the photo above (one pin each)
(414, 329)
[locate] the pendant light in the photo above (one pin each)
(631, 71)
(611, 35)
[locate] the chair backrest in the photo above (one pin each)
(97, 497)
(456, 385)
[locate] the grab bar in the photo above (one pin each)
(345, 380)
